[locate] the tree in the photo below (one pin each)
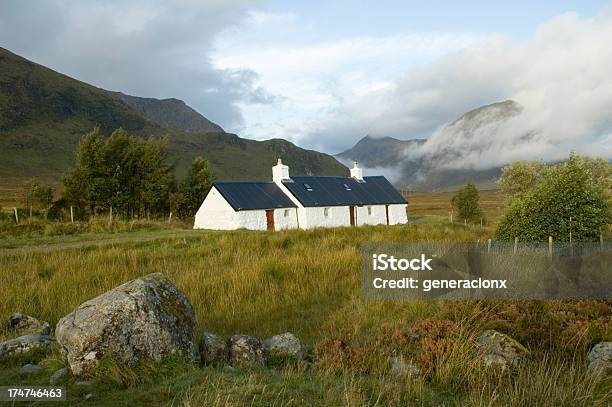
(37, 195)
(126, 173)
(568, 190)
(519, 177)
(194, 187)
(466, 202)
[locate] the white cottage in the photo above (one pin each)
(302, 202)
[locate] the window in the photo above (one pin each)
(308, 187)
(369, 211)
(326, 212)
(346, 187)
(286, 213)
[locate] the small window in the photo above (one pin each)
(308, 187)
(346, 187)
(286, 213)
(326, 212)
(369, 210)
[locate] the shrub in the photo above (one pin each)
(466, 202)
(566, 191)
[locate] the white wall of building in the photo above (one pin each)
(285, 218)
(331, 216)
(398, 214)
(371, 215)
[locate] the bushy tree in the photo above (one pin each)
(126, 173)
(467, 203)
(37, 195)
(519, 177)
(568, 190)
(194, 187)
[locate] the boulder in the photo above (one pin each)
(213, 349)
(246, 350)
(57, 375)
(501, 351)
(24, 344)
(399, 368)
(284, 346)
(23, 324)
(600, 358)
(146, 318)
(29, 369)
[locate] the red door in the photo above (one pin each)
(387, 213)
(270, 219)
(352, 215)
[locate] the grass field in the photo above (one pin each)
(306, 282)
(493, 203)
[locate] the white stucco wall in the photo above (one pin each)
(397, 214)
(378, 216)
(216, 213)
(315, 217)
(285, 218)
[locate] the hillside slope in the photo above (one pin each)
(44, 114)
(380, 152)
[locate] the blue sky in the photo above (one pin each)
(324, 74)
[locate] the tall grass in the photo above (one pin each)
(307, 282)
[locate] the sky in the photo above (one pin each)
(324, 74)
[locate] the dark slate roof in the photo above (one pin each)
(341, 191)
(253, 195)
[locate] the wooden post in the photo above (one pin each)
(601, 240)
(488, 245)
(16, 216)
(515, 244)
(464, 222)
(170, 217)
(110, 215)
(550, 246)
(480, 222)
(450, 216)
(71, 215)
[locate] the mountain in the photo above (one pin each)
(44, 114)
(379, 152)
(170, 113)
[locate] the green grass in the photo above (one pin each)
(307, 282)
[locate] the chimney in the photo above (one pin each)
(356, 172)
(280, 172)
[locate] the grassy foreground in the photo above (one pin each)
(307, 282)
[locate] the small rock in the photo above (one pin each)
(57, 375)
(399, 368)
(24, 344)
(285, 345)
(213, 349)
(23, 324)
(501, 351)
(145, 318)
(246, 350)
(83, 383)
(30, 368)
(88, 396)
(600, 358)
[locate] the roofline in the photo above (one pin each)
(243, 209)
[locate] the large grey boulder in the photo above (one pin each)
(600, 358)
(285, 346)
(29, 369)
(246, 350)
(213, 349)
(24, 344)
(500, 350)
(145, 318)
(23, 324)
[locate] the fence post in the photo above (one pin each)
(110, 215)
(550, 246)
(480, 222)
(489, 246)
(515, 244)
(450, 217)
(170, 217)
(464, 222)
(601, 240)
(16, 215)
(71, 215)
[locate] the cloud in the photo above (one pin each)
(145, 48)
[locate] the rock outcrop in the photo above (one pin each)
(23, 324)
(145, 318)
(213, 349)
(285, 346)
(600, 358)
(501, 351)
(24, 344)
(246, 351)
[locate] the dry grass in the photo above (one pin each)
(307, 282)
(493, 203)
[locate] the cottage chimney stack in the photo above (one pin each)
(356, 172)
(280, 172)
